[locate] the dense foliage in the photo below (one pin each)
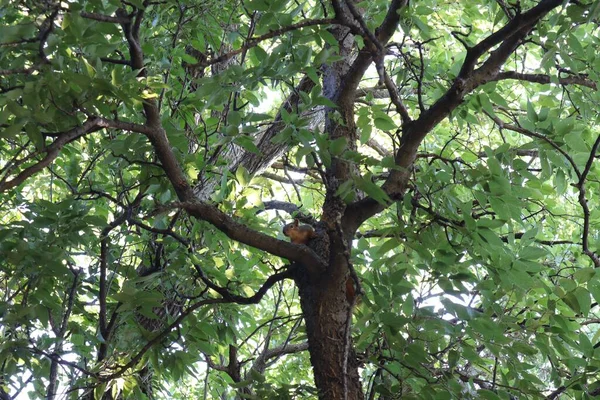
(151, 152)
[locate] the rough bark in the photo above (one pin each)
(326, 311)
(269, 151)
(326, 306)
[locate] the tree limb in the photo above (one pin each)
(546, 79)
(254, 299)
(508, 38)
(105, 18)
(256, 41)
(364, 59)
(241, 233)
(93, 124)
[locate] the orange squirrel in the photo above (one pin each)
(301, 234)
(350, 289)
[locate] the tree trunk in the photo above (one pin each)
(327, 313)
(326, 308)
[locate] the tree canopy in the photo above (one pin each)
(445, 155)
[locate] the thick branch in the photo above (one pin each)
(164, 152)
(291, 209)
(250, 237)
(260, 364)
(519, 21)
(508, 38)
(364, 59)
(379, 148)
(269, 150)
(363, 25)
(393, 92)
(16, 71)
(93, 124)
(158, 338)
(52, 151)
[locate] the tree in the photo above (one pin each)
(443, 152)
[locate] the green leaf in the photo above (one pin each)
(393, 320)
(490, 237)
(247, 144)
(337, 146)
(242, 176)
(384, 123)
(377, 193)
(583, 300)
(91, 72)
(531, 114)
(488, 394)
(532, 253)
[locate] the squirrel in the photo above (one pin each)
(299, 234)
(350, 289)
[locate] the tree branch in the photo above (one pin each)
(241, 233)
(52, 151)
(256, 41)
(93, 124)
(584, 206)
(231, 298)
(106, 18)
(393, 92)
(546, 79)
(536, 135)
(508, 38)
(158, 338)
(288, 348)
(291, 209)
(364, 59)
(254, 299)
(513, 26)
